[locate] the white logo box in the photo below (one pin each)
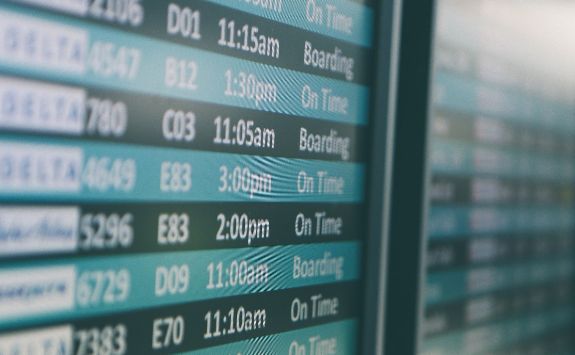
(35, 291)
(40, 168)
(40, 107)
(58, 47)
(38, 230)
(77, 7)
(46, 341)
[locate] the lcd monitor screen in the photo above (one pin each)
(183, 176)
(501, 224)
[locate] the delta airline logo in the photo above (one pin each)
(76, 7)
(35, 230)
(40, 168)
(56, 47)
(39, 107)
(33, 291)
(47, 341)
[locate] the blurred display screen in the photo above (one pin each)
(501, 225)
(182, 176)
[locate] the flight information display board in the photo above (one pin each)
(183, 176)
(501, 225)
